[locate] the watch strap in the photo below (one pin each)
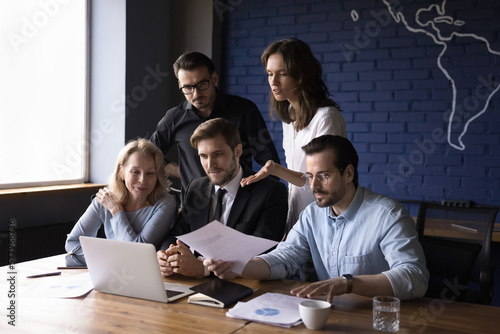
(349, 279)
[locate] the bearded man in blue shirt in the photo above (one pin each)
(359, 241)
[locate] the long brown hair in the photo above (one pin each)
(303, 67)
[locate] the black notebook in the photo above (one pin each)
(218, 293)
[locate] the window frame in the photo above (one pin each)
(5, 187)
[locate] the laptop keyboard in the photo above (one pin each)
(173, 293)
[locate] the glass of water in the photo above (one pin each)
(386, 313)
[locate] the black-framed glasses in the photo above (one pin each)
(321, 177)
(201, 86)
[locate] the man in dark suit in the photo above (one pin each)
(259, 209)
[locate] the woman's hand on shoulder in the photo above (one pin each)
(264, 172)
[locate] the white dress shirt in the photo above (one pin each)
(228, 199)
(326, 121)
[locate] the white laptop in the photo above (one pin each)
(128, 269)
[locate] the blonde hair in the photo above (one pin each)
(145, 148)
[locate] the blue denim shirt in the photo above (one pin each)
(374, 235)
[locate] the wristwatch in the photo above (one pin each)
(349, 279)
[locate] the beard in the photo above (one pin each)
(201, 103)
(204, 101)
(331, 198)
(226, 174)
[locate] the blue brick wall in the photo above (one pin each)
(396, 100)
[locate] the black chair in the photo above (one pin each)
(457, 247)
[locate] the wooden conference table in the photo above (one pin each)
(103, 313)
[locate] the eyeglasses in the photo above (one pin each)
(201, 86)
(321, 177)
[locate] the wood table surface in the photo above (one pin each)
(104, 313)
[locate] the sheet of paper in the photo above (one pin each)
(64, 286)
(219, 242)
(270, 308)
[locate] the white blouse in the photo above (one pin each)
(327, 120)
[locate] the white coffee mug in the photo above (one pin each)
(314, 313)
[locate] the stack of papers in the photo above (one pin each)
(271, 308)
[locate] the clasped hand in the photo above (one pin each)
(179, 259)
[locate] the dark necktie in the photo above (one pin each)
(218, 206)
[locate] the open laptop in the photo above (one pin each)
(128, 269)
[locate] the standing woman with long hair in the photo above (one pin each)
(300, 98)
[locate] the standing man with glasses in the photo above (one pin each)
(198, 82)
(359, 241)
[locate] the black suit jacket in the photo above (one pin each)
(259, 209)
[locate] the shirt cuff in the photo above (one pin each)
(277, 268)
(206, 272)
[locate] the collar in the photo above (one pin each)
(331, 213)
(353, 207)
(233, 185)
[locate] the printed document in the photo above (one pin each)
(271, 308)
(219, 242)
(70, 286)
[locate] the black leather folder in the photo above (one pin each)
(218, 293)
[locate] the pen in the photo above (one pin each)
(74, 267)
(45, 275)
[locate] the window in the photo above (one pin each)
(43, 92)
